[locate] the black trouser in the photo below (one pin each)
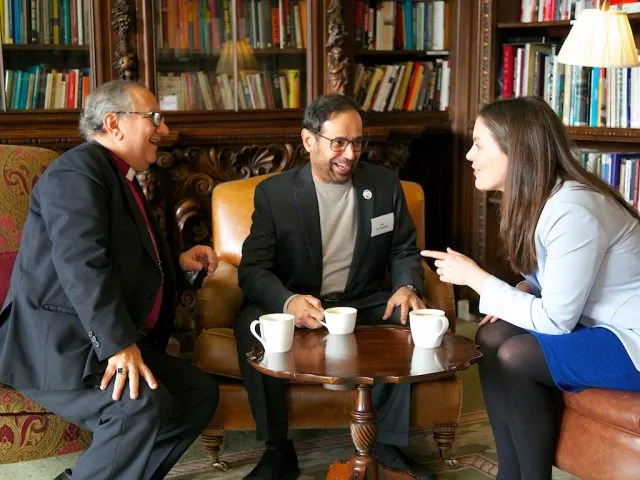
(142, 438)
(521, 399)
(267, 394)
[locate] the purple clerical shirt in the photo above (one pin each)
(130, 179)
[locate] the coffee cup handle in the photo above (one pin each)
(445, 326)
(321, 322)
(252, 327)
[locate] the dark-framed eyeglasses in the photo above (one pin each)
(340, 144)
(155, 117)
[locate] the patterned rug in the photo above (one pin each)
(474, 451)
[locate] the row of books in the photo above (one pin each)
(402, 24)
(204, 25)
(46, 22)
(199, 90)
(581, 96)
(620, 170)
(552, 10)
(409, 86)
(274, 23)
(43, 87)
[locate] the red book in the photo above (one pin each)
(508, 69)
(275, 27)
(71, 89)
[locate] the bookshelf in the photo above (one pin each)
(401, 55)
(46, 54)
(228, 128)
(501, 23)
(82, 50)
(231, 55)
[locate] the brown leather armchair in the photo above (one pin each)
(434, 404)
(599, 435)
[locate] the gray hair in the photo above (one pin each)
(109, 97)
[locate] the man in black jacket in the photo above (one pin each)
(327, 234)
(87, 318)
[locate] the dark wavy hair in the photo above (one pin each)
(539, 153)
(326, 106)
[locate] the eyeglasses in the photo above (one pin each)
(155, 117)
(340, 144)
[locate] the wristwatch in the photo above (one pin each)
(413, 289)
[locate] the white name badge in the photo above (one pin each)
(382, 224)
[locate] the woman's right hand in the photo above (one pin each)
(522, 286)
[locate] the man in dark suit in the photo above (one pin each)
(85, 324)
(327, 234)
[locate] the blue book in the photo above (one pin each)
(594, 99)
(408, 24)
(24, 91)
(18, 34)
(17, 87)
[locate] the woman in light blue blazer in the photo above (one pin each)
(574, 322)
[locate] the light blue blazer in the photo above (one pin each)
(588, 251)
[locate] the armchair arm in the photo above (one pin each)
(440, 295)
(220, 299)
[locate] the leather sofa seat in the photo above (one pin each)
(599, 435)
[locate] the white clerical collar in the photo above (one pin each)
(131, 173)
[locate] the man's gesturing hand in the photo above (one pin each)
(127, 364)
(307, 310)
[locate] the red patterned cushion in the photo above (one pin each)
(7, 259)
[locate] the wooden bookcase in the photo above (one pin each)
(102, 53)
(128, 40)
(499, 21)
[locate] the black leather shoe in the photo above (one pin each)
(392, 457)
(278, 462)
(66, 475)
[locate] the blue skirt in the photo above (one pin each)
(589, 358)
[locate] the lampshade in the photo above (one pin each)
(600, 38)
(245, 57)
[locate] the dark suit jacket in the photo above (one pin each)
(85, 278)
(283, 253)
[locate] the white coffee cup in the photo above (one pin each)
(277, 331)
(340, 346)
(426, 360)
(428, 326)
(340, 320)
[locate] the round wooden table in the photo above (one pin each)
(376, 354)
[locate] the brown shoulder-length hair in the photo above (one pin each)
(539, 154)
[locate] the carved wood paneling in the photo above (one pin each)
(337, 62)
(393, 155)
(486, 96)
(180, 184)
(123, 22)
(179, 189)
(486, 51)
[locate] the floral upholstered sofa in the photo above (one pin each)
(27, 431)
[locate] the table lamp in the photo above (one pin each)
(600, 38)
(244, 53)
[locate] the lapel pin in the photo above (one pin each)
(367, 194)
